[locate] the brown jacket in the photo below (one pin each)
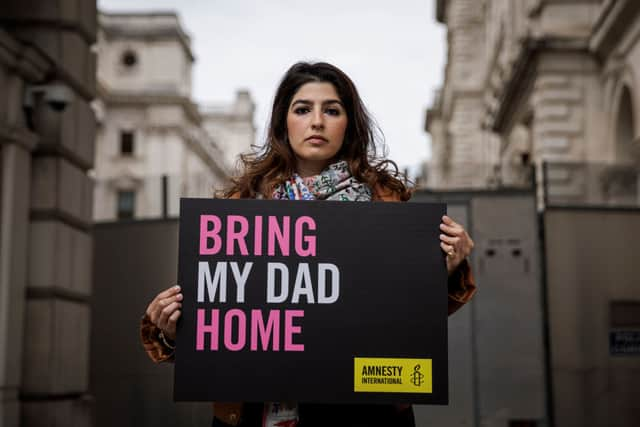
(461, 287)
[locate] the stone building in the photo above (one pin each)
(153, 143)
(529, 82)
(231, 126)
(554, 86)
(47, 128)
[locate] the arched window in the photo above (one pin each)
(625, 150)
(620, 181)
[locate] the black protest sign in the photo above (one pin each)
(311, 301)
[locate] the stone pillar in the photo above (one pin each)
(461, 159)
(49, 213)
(19, 65)
(15, 158)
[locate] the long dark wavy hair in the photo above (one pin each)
(275, 161)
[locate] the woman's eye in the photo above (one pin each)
(333, 111)
(301, 110)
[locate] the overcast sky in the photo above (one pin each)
(393, 50)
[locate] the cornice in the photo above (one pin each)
(522, 74)
(126, 31)
(615, 18)
(111, 98)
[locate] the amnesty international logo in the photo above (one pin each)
(388, 375)
(417, 378)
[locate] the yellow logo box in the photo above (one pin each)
(388, 375)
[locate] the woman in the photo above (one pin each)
(320, 145)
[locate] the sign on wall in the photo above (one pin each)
(311, 302)
(624, 342)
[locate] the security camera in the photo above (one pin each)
(57, 96)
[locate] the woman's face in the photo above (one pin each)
(316, 124)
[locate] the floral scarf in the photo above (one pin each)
(333, 183)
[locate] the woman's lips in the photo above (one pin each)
(316, 140)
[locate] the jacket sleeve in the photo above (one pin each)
(461, 287)
(153, 345)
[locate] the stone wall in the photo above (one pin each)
(47, 131)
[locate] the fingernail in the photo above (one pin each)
(177, 287)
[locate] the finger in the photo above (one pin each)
(173, 319)
(165, 294)
(449, 239)
(159, 303)
(450, 222)
(168, 292)
(163, 322)
(166, 314)
(168, 310)
(165, 302)
(452, 231)
(170, 331)
(155, 309)
(448, 249)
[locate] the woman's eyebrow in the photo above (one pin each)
(332, 101)
(309, 102)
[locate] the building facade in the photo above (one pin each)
(153, 143)
(47, 128)
(231, 126)
(529, 82)
(553, 87)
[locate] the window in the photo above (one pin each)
(126, 143)
(126, 204)
(129, 59)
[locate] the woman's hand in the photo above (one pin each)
(164, 311)
(455, 242)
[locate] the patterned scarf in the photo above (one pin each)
(333, 183)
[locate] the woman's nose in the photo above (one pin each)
(317, 120)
